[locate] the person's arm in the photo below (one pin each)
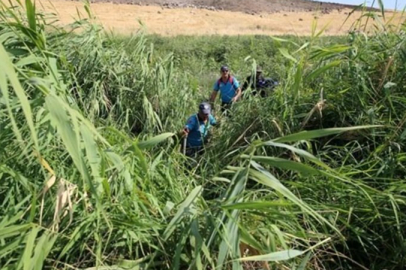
(213, 96)
(238, 91)
(212, 120)
(216, 88)
(188, 127)
(237, 95)
(184, 132)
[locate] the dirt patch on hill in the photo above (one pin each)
(256, 7)
(171, 18)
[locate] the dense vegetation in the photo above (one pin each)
(312, 176)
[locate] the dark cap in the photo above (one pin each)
(205, 108)
(224, 68)
(259, 69)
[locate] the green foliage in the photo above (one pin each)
(92, 177)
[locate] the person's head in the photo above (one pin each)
(259, 71)
(224, 71)
(204, 110)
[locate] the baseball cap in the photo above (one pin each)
(224, 68)
(259, 69)
(205, 108)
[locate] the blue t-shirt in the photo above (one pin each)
(227, 89)
(198, 130)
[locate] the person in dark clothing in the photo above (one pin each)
(259, 84)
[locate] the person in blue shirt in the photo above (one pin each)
(229, 89)
(197, 130)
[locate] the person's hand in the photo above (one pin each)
(234, 99)
(184, 132)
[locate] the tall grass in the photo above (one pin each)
(91, 176)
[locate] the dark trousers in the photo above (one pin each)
(192, 151)
(226, 106)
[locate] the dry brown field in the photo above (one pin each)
(172, 21)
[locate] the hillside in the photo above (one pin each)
(207, 17)
(256, 7)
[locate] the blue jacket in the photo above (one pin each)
(198, 130)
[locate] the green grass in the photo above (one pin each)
(92, 177)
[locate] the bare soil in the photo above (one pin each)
(245, 6)
(212, 17)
